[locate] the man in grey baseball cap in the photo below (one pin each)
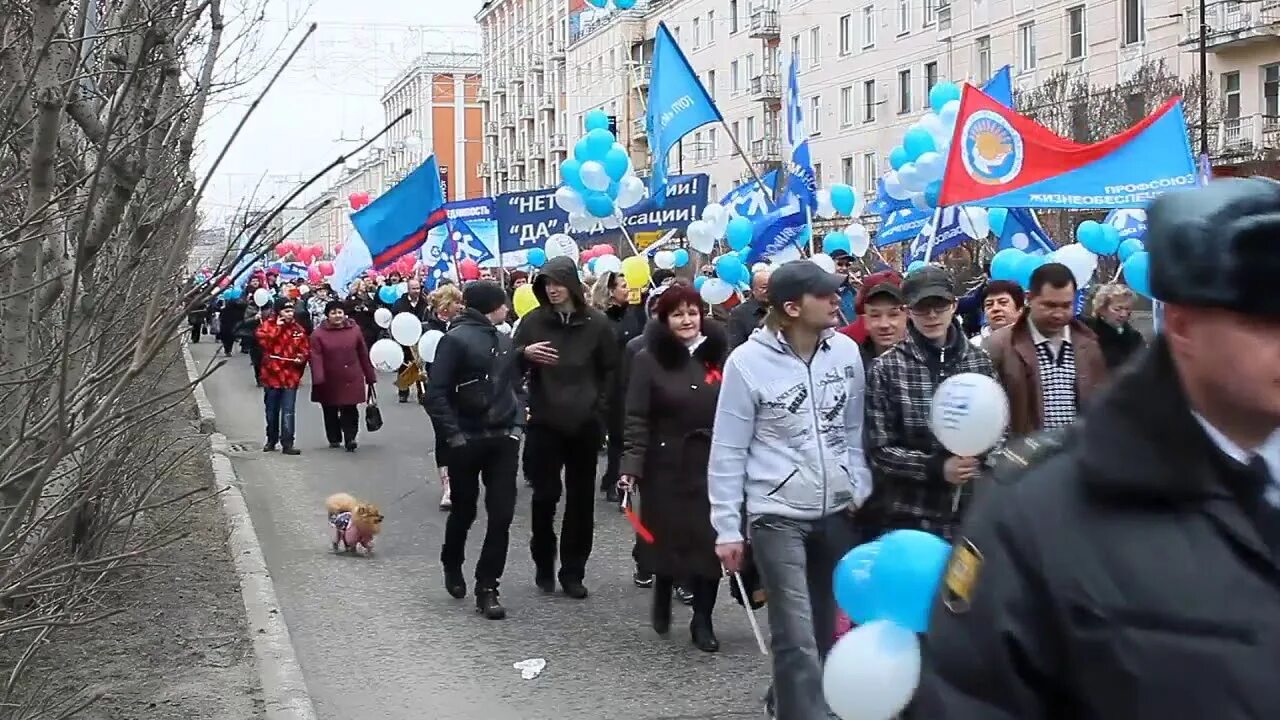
(1128, 566)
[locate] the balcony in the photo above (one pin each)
(555, 51)
(1253, 137)
(517, 74)
(644, 73)
(766, 150)
(640, 129)
(508, 120)
(526, 111)
(483, 169)
(764, 24)
(502, 164)
(499, 84)
(537, 63)
(520, 153)
(491, 128)
(767, 88)
(547, 102)
(1232, 24)
(558, 143)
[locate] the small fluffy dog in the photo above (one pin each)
(354, 522)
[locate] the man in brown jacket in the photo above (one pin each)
(1049, 363)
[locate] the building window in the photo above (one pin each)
(1271, 95)
(749, 68)
(982, 57)
(904, 92)
(795, 49)
(869, 174)
(930, 10)
(846, 171)
(1026, 47)
(1231, 95)
(846, 34)
(815, 46)
(1075, 33)
(930, 76)
(815, 114)
(714, 141)
(711, 26)
(817, 174)
(733, 16)
(868, 101)
(868, 27)
(735, 78)
(904, 17)
(1135, 17)
(697, 33)
(737, 131)
(751, 128)
(711, 83)
(846, 106)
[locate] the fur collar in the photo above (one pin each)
(671, 354)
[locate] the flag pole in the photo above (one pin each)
(737, 147)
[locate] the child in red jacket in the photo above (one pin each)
(285, 351)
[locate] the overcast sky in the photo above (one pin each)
(330, 93)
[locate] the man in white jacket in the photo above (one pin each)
(786, 464)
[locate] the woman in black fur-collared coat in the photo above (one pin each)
(670, 409)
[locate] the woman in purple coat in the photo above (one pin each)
(340, 374)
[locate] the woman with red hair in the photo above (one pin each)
(670, 408)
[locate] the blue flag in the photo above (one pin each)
(1000, 87)
(802, 182)
(678, 105)
(780, 235)
(1022, 231)
(350, 263)
(397, 222)
(950, 227)
(750, 200)
(1129, 222)
(902, 225)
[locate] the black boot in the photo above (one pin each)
(487, 605)
(704, 601)
(660, 612)
(455, 583)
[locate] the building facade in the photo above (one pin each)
(1085, 70)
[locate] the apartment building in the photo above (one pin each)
(866, 68)
(523, 69)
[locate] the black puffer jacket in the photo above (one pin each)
(1118, 343)
(577, 390)
(475, 387)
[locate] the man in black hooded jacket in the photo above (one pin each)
(570, 351)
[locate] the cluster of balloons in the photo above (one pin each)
(598, 181)
(888, 586)
(600, 258)
(359, 199)
(713, 227)
(854, 241)
(301, 253)
(406, 330)
(620, 4)
(921, 160)
(1103, 239)
(839, 199)
(668, 259)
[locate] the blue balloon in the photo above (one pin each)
(599, 142)
(1027, 265)
(739, 232)
(943, 93)
(836, 241)
(698, 281)
(917, 142)
(624, 4)
(1004, 266)
(852, 583)
(591, 265)
(232, 293)
(1094, 237)
(537, 256)
(596, 120)
(614, 188)
(843, 198)
(599, 204)
(932, 192)
(582, 150)
(915, 266)
(905, 576)
(1137, 273)
(571, 174)
(681, 257)
(1129, 247)
(598, 3)
(616, 163)
(730, 269)
(898, 157)
(997, 218)
(387, 294)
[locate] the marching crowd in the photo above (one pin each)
(769, 440)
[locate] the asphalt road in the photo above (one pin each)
(379, 637)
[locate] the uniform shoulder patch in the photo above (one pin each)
(961, 577)
(1010, 463)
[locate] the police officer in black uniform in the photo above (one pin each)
(1129, 568)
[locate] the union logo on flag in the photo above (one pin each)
(993, 150)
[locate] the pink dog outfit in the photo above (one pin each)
(348, 534)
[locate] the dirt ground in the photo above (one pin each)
(181, 649)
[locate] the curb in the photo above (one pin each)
(283, 688)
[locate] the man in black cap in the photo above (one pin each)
(475, 396)
(788, 440)
(848, 291)
(1128, 567)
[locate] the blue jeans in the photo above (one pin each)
(280, 404)
(796, 559)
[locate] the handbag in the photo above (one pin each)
(372, 413)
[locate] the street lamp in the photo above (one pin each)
(1204, 80)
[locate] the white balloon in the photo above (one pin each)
(949, 113)
(715, 291)
(664, 259)
(859, 239)
(974, 222)
(607, 263)
(701, 236)
(825, 209)
(406, 328)
(594, 176)
(382, 317)
(761, 267)
(612, 222)
(581, 222)
(911, 179)
(568, 200)
(261, 297)
(714, 214)
(427, 345)
(893, 186)
(386, 355)
(1078, 259)
(304, 289)
(872, 671)
(930, 165)
(932, 124)
(917, 200)
(561, 245)
(721, 226)
(630, 191)
(824, 261)
(969, 415)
